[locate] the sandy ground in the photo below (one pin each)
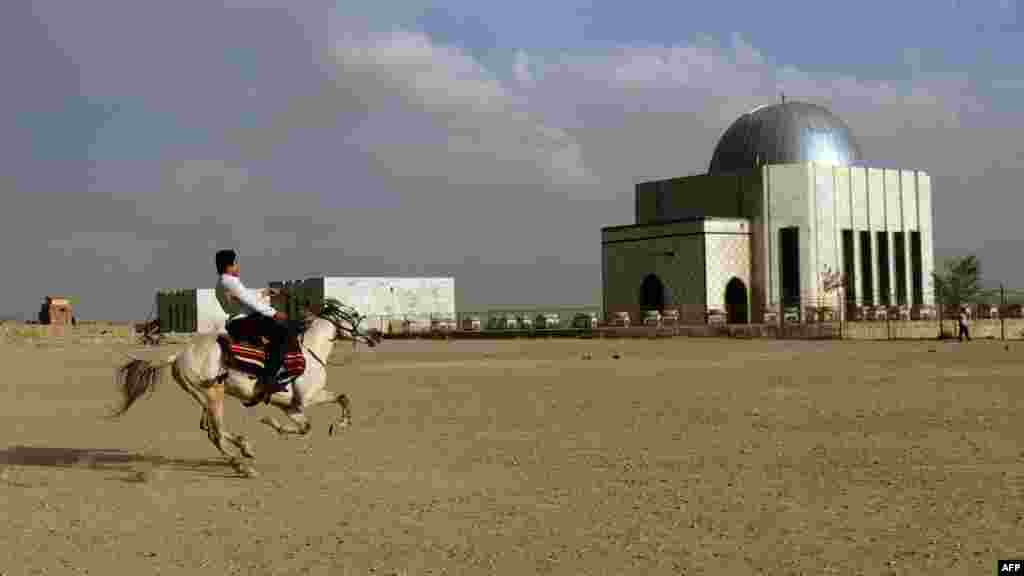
(684, 456)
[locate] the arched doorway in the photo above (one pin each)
(652, 293)
(736, 301)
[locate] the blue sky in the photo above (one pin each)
(880, 40)
(394, 136)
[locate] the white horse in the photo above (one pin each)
(202, 370)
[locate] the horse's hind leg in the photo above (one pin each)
(204, 422)
(237, 439)
(214, 421)
(195, 396)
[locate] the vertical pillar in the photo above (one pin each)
(910, 214)
(876, 286)
(810, 266)
(927, 260)
(872, 226)
(770, 249)
(890, 240)
(848, 264)
(858, 296)
(907, 249)
(891, 264)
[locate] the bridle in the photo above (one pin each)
(338, 329)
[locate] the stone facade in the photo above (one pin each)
(882, 217)
(690, 260)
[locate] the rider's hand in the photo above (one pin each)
(281, 317)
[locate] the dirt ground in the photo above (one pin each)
(682, 456)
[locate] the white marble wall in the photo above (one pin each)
(788, 203)
(908, 218)
(826, 230)
(844, 212)
(380, 296)
(893, 223)
(924, 215)
(876, 223)
(823, 200)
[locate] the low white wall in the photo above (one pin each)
(376, 297)
(211, 317)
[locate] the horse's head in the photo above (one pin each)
(346, 321)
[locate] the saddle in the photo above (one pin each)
(249, 355)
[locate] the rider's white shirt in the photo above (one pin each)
(238, 301)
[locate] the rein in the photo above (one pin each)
(315, 357)
(302, 344)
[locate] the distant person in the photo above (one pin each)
(964, 332)
(249, 318)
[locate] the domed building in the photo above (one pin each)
(787, 201)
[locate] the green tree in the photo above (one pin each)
(958, 282)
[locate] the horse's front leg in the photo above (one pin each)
(299, 425)
(294, 407)
(346, 414)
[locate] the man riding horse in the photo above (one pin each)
(249, 318)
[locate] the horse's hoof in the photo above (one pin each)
(245, 471)
(339, 425)
(273, 425)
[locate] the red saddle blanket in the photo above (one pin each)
(251, 358)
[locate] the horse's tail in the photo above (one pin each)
(137, 378)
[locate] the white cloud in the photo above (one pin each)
(397, 149)
(123, 251)
(480, 123)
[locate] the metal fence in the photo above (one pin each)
(995, 313)
(992, 314)
(491, 320)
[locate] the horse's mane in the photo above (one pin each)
(344, 317)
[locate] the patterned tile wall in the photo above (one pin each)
(728, 256)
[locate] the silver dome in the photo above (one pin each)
(786, 133)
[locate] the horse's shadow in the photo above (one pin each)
(112, 461)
